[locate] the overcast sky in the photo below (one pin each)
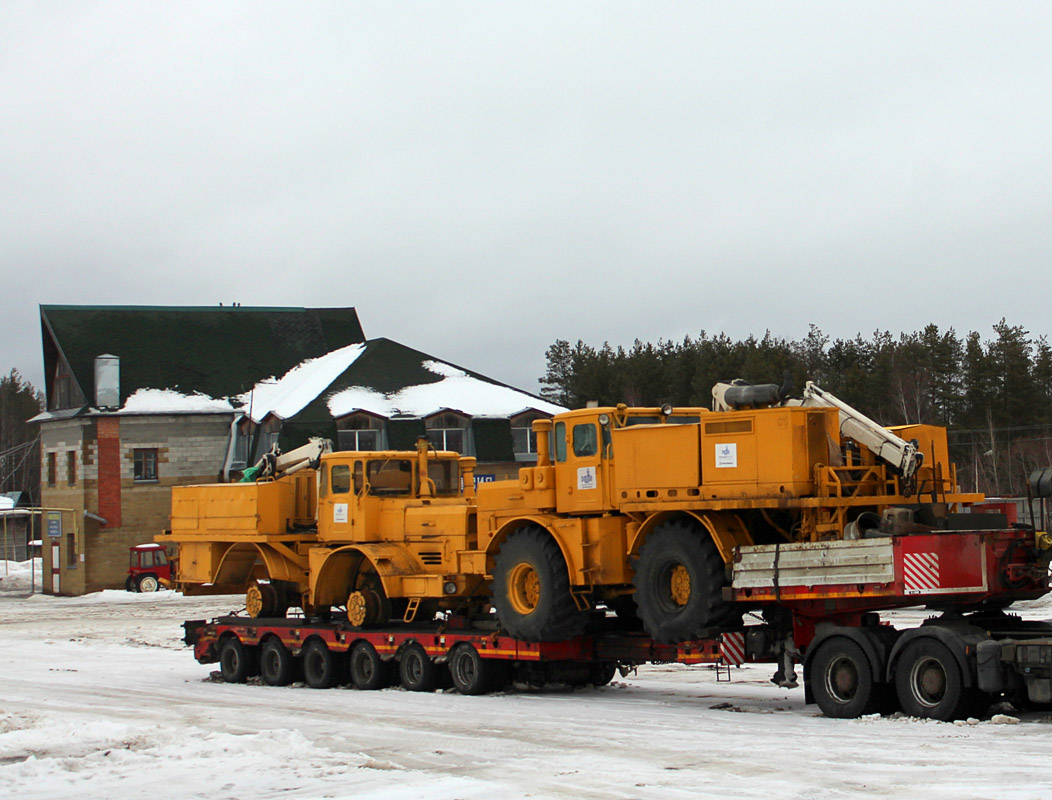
(481, 179)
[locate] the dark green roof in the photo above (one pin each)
(216, 350)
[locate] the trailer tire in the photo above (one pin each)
(368, 670)
(321, 666)
(602, 672)
(277, 665)
(148, 583)
(416, 669)
(842, 680)
(235, 660)
(929, 682)
(679, 582)
(531, 589)
(472, 674)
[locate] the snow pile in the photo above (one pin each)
(289, 395)
(162, 401)
(457, 390)
(16, 575)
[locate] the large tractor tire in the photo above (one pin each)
(679, 583)
(531, 589)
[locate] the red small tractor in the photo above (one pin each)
(148, 568)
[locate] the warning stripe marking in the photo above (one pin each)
(732, 648)
(920, 572)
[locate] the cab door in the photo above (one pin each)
(579, 467)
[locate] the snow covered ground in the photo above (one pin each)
(100, 699)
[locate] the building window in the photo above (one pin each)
(71, 467)
(523, 438)
(360, 431)
(71, 551)
(146, 464)
(448, 431)
(52, 469)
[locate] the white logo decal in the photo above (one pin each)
(339, 512)
(726, 455)
(586, 478)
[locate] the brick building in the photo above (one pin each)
(140, 399)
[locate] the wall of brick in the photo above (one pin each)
(190, 449)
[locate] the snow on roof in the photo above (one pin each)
(6, 503)
(457, 390)
(161, 401)
(288, 395)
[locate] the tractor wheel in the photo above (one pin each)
(929, 682)
(277, 665)
(679, 583)
(416, 669)
(531, 589)
(148, 583)
(367, 604)
(368, 670)
(235, 660)
(473, 674)
(842, 681)
(322, 668)
(262, 600)
(130, 584)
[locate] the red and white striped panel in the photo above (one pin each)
(732, 649)
(920, 572)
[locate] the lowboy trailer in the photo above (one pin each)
(818, 604)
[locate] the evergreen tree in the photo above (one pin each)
(19, 455)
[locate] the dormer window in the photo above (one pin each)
(523, 439)
(448, 430)
(360, 431)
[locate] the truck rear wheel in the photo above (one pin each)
(842, 681)
(235, 660)
(679, 582)
(277, 665)
(531, 589)
(368, 670)
(929, 682)
(416, 669)
(321, 666)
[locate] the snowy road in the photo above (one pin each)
(101, 699)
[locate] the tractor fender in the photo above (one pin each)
(957, 639)
(331, 569)
(727, 530)
(236, 566)
(568, 525)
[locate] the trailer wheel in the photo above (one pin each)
(929, 682)
(842, 681)
(235, 660)
(277, 665)
(368, 670)
(679, 582)
(321, 666)
(472, 674)
(148, 583)
(602, 672)
(416, 669)
(531, 589)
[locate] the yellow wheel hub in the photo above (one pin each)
(254, 601)
(679, 583)
(524, 588)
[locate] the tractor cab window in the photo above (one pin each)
(341, 478)
(585, 441)
(560, 442)
(445, 475)
(359, 477)
(390, 476)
